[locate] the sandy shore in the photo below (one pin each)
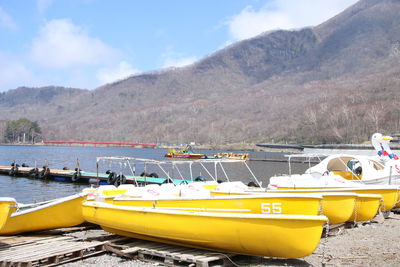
(372, 244)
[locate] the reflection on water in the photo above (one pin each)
(29, 190)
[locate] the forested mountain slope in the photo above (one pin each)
(336, 82)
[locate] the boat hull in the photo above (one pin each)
(301, 204)
(338, 207)
(185, 156)
(390, 194)
(285, 236)
(63, 212)
(364, 206)
(367, 206)
(7, 207)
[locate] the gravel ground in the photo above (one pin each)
(372, 244)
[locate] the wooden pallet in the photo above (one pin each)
(169, 255)
(29, 251)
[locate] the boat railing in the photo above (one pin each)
(307, 157)
(132, 163)
(320, 157)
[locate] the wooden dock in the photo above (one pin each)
(56, 247)
(82, 177)
(59, 246)
(45, 249)
(168, 255)
(85, 177)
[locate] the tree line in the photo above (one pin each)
(22, 131)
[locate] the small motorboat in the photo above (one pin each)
(230, 155)
(57, 213)
(270, 235)
(185, 153)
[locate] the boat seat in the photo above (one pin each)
(151, 191)
(232, 187)
(209, 185)
(168, 186)
(194, 190)
(88, 191)
(129, 190)
(108, 191)
(133, 191)
(106, 187)
(348, 175)
(169, 190)
(126, 186)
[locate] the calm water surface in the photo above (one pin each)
(28, 190)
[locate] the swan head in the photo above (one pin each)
(376, 141)
(381, 144)
(385, 145)
(386, 138)
(378, 138)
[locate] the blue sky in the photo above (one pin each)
(88, 43)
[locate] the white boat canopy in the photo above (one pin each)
(131, 162)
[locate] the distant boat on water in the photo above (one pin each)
(186, 153)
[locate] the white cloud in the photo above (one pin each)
(6, 21)
(250, 22)
(178, 62)
(121, 71)
(61, 44)
(283, 14)
(43, 5)
(171, 58)
(13, 73)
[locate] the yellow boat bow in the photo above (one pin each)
(285, 236)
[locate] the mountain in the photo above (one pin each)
(335, 82)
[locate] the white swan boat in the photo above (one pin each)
(381, 169)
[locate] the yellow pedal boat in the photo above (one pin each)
(62, 212)
(337, 207)
(284, 236)
(197, 198)
(367, 206)
(389, 193)
(7, 206)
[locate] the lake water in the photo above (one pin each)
(28, 190)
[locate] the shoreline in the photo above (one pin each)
(233, 147)
(225, 147)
